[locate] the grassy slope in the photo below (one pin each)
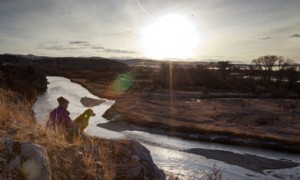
(98, 159)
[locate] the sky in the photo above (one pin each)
(234, 30)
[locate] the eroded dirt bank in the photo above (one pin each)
(271, 123)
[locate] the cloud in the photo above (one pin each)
(123, 33)
(282, 29)
(118, 51)
(295, 36)
(71, 45)
(76, 45)
(211, 56)
(265, 38)
(78, 42)
(98, 47)
(56, 47)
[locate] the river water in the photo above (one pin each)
(168, 153)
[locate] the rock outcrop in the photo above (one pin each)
(90, 102)
(143, 165)
(141, 154)
(129, 159)
(27, 80)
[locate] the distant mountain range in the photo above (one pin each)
(99, 63)
(64, 63)
(156, 63)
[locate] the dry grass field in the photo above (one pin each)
(270, 119)
(80, 159)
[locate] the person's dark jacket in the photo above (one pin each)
(59, 119)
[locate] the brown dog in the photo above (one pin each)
(80, 123)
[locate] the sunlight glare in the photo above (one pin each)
(172, 36)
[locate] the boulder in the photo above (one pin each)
(26, 80)
(24, 160)
(137, 163)
(90, 102)
(126, 159)
(142, 155)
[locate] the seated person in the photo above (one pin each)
(59, 118)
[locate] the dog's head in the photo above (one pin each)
(89, 112)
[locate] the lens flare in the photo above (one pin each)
(121, 84)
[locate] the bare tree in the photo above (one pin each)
(292, 78)
(223, 67)
(257, 63)
(283, 64)
(265, 63)
(268, 64)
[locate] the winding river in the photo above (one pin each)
(169, 153)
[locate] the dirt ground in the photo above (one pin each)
(266, 119)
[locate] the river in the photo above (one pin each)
(169, 153)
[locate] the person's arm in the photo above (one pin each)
(69, 121)
(51, 119)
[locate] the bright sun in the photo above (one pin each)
(171, 36)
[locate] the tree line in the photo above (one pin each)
(266, 74)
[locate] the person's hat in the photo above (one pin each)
(61, 100)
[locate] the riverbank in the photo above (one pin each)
(221, 117)
(252, 122)
(252, 162)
